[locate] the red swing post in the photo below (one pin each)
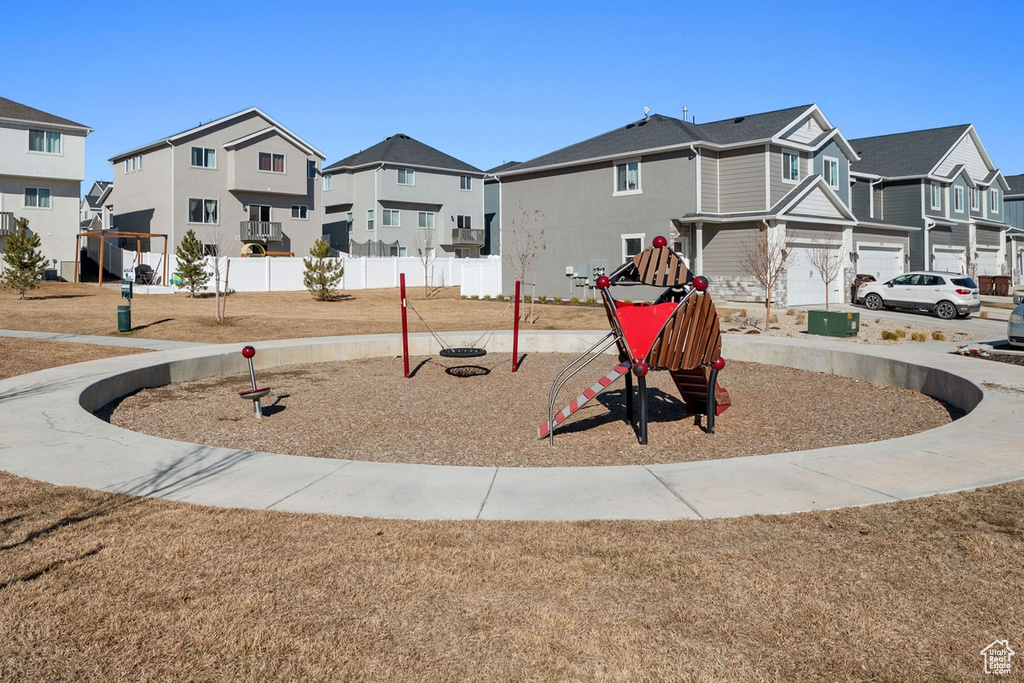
(515, 333)
(405, 328)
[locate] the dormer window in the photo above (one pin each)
(975, 199)
(790, 166)
(627, 177)
(958, 199)
(830, 171)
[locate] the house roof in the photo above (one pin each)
(1016, 185)
(901, 155)
(503, 167)
(20, 113)
(404, 150)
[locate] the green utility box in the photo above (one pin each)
(124, 318)
(126, 289)
(833, 323)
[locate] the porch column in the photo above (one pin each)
(698, 250)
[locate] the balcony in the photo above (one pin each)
(467, 237)
(6, 223)
(259, 231)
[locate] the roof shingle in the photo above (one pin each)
(9, 109)
(905, 154)
(402, 149)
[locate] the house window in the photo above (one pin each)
(210, 250)
(790, 166)
(830, 170)
(272, 163)
(369, 219)
(391, 218)
(37, 197)
(466, 182)
(632, 245)
(406, 176)
(133, 164)
(328, 180)
(461, 252)
(993, 204)
(46, 141)
(464, 222)
(202, 211)
(204, 157)
(627, 177)
(975, 199)
(958, 199)
(936, 196)
(259, 213)
(311, 168)
(299, 211)
(426, 219)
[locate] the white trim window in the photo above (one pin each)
(426, 219)
(391, 218)
(632, 244)
(37, 198)
(975, 199)
(465, 182)
(830, 171)
(328, 181)
(44, 141)
(203, 211)
(406, 176)
(311, 168)
(993, 201)
(132, 164)
(369, 219)
(958, 199)
(464, 222)
(204, 157)
(936, 196)
(271, 162)
(790, 166)
(627, 178)
(301, 212)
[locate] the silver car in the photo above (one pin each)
(948, 295)
(1015, 328)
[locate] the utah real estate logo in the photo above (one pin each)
(997, 657)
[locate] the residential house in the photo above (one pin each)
(492, 209)
(706, 187)
(244, 183)
(42, 166)
(91, 211)
(401, 198)
(933, 199)
(1013, 204)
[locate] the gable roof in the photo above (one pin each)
(403, 150)
(19, 113)
(503, 167)
(902, 155)
(1016, 185)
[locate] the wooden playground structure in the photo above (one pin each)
(104, 235)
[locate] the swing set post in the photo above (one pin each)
(515, 333)
(405, 328)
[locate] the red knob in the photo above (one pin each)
(719, 363)
(603, 282)
(660, 242)
(640, 369)
(248, 352)
(700, 283)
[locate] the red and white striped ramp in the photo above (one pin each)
(581, 400)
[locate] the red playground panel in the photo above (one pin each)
(641, 324)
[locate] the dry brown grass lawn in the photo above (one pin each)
(101, 587)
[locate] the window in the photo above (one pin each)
(406, 176)
(348, 219)
(46, 141)
(790, 166)
(37, 197)
(311, 168)
(464, 222)
(830, 169)
(369, 219)
(466, 182)
(975, 199)
(328, 181)
(461, 252)
(993, 205)
(209, 250)
(426, 219)
(204, 157)
(202, 211)
(133, 164)
(259, 213)
(299, 211)
(627, 177)
(958, 199)
(391, 218)
(272, 163)
(632, 245)
(936, 196)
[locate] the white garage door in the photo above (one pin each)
(948, 261)
(988, 263)
(880, 262)
(803, 283)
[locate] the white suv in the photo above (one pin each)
(948, 295)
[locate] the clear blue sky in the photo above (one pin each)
(487, 82)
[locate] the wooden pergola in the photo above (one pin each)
(106, 234)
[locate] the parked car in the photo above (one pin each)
(947, 295)
(1018, 295)
(1015, 328)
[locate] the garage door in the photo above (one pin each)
(948, 261)
(988, 263)
(880, 262)
(803, 283)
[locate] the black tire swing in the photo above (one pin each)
(461, 352)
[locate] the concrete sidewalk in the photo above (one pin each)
(128, 342)
(53, 437)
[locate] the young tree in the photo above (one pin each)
(322, 275)
(522, 242)
(765, 259)
(425, 249)
(191, 264)
(23, 262)
(826, 259)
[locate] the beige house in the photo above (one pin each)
(243, 183)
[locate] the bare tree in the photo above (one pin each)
(216, 250)
(826, 259)
(764, 259)
(426, 251)
(522, 242)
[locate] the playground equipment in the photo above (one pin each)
(254, 394)
(679, 332)
(474, 350)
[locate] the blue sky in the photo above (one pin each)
(488, 82)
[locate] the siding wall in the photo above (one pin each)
(966, 153)
(709, 184)
(988, 237)
(902, 203)
(741, 181)
(1013, 210)
(779, 187)
(860, 196)
(722, 245)
(833, 150)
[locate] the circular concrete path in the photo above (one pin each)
(50, 434)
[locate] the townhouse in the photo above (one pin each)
(1013, 204)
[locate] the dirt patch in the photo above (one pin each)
(22, 356)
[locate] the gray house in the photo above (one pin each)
(402, 197)
(934, 200)
(1013, 204)
(706, 187)
(244, 183)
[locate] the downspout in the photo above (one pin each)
(174, 244)
(376, 209)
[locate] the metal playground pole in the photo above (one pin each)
(515, 333)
